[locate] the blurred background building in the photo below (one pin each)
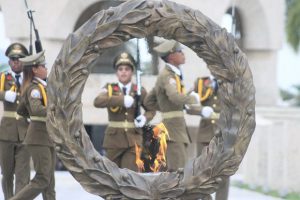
(272, 161)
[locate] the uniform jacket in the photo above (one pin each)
(32, 105)
(207, 127)
(11, 129)
(165, 97)
(121, 137)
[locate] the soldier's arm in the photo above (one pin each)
(174, 96)
(21, 109)
(194, 109)
(150, 100)
(103, 100)
(2, 95)
(149, 110)
(36, 103)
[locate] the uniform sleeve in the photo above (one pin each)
(196, 85)
(21, 109)
(173, 95)
(149, 111)
(2, 93)
(35, 101)
(103, 100)
(150, 101)
(194, 109)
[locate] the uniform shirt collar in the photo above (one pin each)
(176, 70)
(14, 75)
(128, 86)
(44, 83)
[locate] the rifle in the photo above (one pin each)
(38, 44)
(138, 81)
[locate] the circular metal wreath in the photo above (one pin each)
(137, 19)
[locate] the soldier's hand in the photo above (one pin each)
(196, 96)
(128, 101)
(140, 121)
(207, 111)
(10, 96)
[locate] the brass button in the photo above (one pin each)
(215, 97)
(126, 129)
(17, 117)
(126, 113)
(18, 102)
(213, 121)
(214, 105)
(18, 93)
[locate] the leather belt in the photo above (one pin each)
(172, 114)
(37, 118)
(123, 124)
(12, 114)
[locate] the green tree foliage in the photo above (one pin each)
(294, 97)
(293, 23)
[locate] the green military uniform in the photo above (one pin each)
(37, 140)
(209, 97)
(14, 157)
(121, 135)
(169, 98)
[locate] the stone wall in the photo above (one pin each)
(272, 160)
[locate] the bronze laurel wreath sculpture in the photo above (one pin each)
(138, 19)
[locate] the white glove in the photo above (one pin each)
(140, 121)
(207, 111)
(196, 96)
(128, 101)
(10, 96)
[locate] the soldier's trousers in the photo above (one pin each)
(43, 182)
(14, 161)
(123, 157)
(222, 192)
(176, 155)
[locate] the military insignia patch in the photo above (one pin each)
(172, 81)
(35, 93)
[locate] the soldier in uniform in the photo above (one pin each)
(33, 105)
(14, 158)
(169, 98)
(207, 88)
(124, 128)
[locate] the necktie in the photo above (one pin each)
(17, 76)
(181, 76)
(124, 90)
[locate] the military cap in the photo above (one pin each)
(167, 47)
(33, 60)
(124, 59)
(16, 50)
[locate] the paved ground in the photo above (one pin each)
(68, 188)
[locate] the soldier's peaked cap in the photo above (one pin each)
(34, 60)
(167, 47)
(124, 59)
(16, 50)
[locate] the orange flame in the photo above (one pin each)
(138, 161)
(160, 132)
